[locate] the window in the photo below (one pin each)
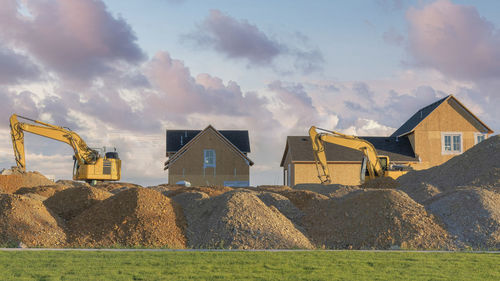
(451, 143)
(209, 158)
(479, 137)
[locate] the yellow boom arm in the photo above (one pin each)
(373, 164)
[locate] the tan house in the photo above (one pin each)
(208, 157)
(433, 135)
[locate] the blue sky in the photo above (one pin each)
(121, 72)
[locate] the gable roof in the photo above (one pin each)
(301, 150)
(176, 139)
(194, 139)
(410, 124)
(418, 117)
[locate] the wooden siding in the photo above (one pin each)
(427, 136)
(189, 166)
(341, 173)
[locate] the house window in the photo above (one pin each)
(451, 143)
(479, 137)
(209, 158)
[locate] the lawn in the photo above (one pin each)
(242, 265)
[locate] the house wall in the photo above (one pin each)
(448, 117)
(341, 173)
(189, 166)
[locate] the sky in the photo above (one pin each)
(120, 73)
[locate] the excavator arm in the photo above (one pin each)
(88, 166)
(373, 164)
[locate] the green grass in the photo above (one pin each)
(295, 265)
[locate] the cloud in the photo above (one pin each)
(239, 39)
(78, 39)
(455, 40)
(15, 68)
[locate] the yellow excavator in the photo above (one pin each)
(89, 164)
(373, 165)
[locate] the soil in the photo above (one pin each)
(72, 201)
(238, 220)
(374, 219)
(44, 190)
(472, 214)
(15, 179)
(27, 221)
(134, 217)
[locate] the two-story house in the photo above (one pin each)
(430, 137)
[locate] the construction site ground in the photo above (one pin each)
(449, 207)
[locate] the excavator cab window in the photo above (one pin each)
(112, 155)
(384, 162)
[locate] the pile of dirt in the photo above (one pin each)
(283, 204)
(330, 190)
(116, 187)
(478, 166)
(471, 214)
(44, 190)
(303, 198)
(72, 201)
(71, 183)
(28, 221)
(209, 190)
(13, 179)
(374, 219)
(380, 182)
(134, 217)
(238, 220)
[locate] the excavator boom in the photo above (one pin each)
(89, 166)
(376, 165)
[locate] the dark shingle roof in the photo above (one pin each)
(411, 123)
(301, 150)
(176, 139)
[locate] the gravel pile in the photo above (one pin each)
(478, 166)
(116, 187)
(238, 220)
(44, 190)
(13, 179)
(134, 217)
(27, 221)
(72, 201)
(380, 182)
(374, 219)
(330, 190)
(209, 190)
(471, 214)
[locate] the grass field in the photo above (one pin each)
(294, 265)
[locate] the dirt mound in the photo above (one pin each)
(330, 190)
(134, 217)
(116, 187)
(35, 196)
(478, 166)
(209, 190)
(470, 213)
(283, 204)
(240, 220)
(303, 198)
(71, 183)
(380, 182)
(380, 219)
(72, 201)
(45, 190)
(14, 179)
(28, 221)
